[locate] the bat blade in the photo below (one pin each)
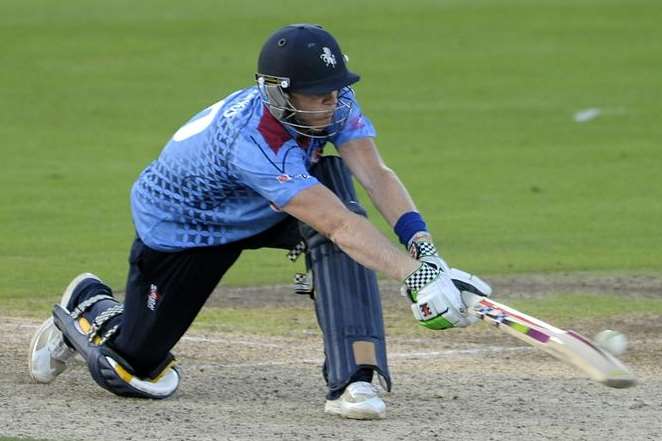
(565, 345)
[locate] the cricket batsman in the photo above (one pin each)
(248, 173)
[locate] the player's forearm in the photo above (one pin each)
(390, 196)
(357, 237)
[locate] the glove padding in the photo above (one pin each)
(444, 301)
(436, 302)
(471, 288)
(440, 295)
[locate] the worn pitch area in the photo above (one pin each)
(471, 385)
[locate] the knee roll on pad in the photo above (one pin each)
(347, 301)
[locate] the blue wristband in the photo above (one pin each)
(409, 224)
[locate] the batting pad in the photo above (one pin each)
(347, 300)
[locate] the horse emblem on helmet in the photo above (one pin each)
(328, 57)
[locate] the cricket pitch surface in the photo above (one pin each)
(477, 384)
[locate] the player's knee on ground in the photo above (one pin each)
(90, 326)
(114, 374)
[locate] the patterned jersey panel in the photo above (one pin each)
(191, 195)
(278, 175)
(224, 174)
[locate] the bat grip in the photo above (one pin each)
(470, 299)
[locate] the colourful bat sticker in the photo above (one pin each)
(506, 319)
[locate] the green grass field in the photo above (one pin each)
(473, 101)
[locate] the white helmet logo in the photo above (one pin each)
(328, 57)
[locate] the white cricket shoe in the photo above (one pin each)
(49, 353)
(359, 401)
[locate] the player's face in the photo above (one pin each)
(323, 107)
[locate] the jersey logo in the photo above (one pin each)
(328, 57)
(357, 122)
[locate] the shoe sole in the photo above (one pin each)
(48, 324)
(360, 411)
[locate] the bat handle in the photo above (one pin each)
(470, 299)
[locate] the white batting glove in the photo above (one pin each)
(435, 289)
(421, 248)
(436, 302)
(471, 288)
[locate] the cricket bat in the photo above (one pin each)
(565, 345)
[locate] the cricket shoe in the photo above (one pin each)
(359, 401)
(49, 353)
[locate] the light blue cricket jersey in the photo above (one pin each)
(223, 174)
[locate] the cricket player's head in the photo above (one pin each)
(303, 80)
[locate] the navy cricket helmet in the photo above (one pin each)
(304, 59)
(308, 56)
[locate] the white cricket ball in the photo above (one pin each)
(611, 341)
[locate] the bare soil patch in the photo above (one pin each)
(466, 385)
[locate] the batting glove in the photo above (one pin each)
(421, 248)
(440, 295)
